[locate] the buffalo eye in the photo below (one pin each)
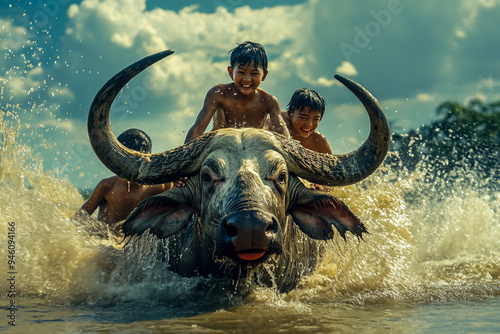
(206, 178)
(281, 178)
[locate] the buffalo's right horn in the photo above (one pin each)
(129, 164)
(345, 169)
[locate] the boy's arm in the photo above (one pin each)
(158, 188)
(96, 198)
(209, 107)
(276, 122)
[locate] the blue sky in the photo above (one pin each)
(411, 55)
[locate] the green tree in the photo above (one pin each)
(465, 138)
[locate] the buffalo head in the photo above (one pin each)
(243, 185)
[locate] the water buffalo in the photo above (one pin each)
(243, 212)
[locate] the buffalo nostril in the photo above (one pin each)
(269, 227)
(231, 230)
(272, 227)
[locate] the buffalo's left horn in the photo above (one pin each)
(341, 170)
(129, 164)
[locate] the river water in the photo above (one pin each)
(431, 264)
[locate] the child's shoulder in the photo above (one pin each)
(106, 185)
(221, 88)
(220, 92)
(318, 136)
(320, 142)
(108, 182)
(265, 94)
(267, 98)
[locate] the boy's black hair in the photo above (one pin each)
(306, 98)
(248, 52)
(136, 139)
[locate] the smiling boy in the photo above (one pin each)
(304, 112)
(241, 104)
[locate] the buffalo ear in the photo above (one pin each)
(316, 217)
(162, 215)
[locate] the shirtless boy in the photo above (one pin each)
(304, 112)
(116, 197)
(241, 104)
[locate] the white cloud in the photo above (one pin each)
(488, 3)
(300, 51)
(425, 97)
(20, 81)
(460, 33)
(347, 68)
(11, 37)
(433, 48)
(201, 42)
(471, 9)
(322, 81)
(61, 125)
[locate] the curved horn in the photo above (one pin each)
(129, 164)
(341, 170)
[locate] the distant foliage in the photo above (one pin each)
(463, 144)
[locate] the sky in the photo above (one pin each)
(411, 55)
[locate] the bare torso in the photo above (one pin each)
(116, 198)
(237, 111)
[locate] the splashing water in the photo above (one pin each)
(424, 246)
(57, 260)
(421, 248)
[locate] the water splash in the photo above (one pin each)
(424, 245)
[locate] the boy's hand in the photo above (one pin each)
(180, 182)
(320, 187)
